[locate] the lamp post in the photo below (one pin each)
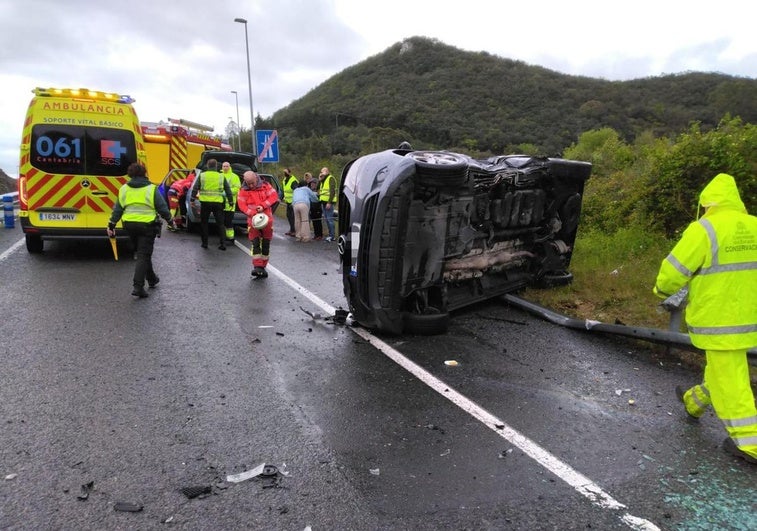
(249, 86)
(239, 139)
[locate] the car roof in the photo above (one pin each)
(234, 157)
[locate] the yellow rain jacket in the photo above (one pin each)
(717, 256)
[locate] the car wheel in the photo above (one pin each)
(436, 168)
(429, 324)
(34, 243)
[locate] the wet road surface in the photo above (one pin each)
(215, 374)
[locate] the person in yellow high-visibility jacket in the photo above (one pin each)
(717, 257)
(212, 189)
(289, 183)
(235, 184)
(139, 206)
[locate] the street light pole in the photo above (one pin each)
(239, 128)
(249, 86)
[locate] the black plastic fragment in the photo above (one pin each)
(340, 316)
(193, 492)
(85, 490)
(269, 470)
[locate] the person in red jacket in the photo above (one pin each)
(176, 195)
(258, 197)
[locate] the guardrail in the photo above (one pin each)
(10, 206)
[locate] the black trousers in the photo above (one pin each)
(290, 217)
(215, 208)
(316, 216)
(142, 236)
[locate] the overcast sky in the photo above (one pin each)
(182, 58)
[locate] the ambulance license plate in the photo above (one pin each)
(55, 216)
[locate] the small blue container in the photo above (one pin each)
(8, 212)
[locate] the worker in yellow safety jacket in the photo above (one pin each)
(327, 191)
(212, 188)
(138, 206)
(289, 183)
(717, 257)
(235, 183)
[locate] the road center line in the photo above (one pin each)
(565, 472)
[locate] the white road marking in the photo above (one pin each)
(565, 472)
(12, 249)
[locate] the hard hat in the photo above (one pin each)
(259, 221)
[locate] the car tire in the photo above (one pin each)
(34, 243)
(436, 168)
(429, 324)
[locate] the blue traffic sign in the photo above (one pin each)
(268, 145)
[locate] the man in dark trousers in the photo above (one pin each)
(289, 183)
(138, 205)
(210, 187)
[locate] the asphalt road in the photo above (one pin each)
(114, 399)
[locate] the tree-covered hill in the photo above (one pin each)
(7, 184)
(439, 96)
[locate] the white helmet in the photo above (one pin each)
(259, 221)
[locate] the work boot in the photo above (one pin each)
(730, 447)
(204, 245)
(263, 273)
(154, 282)
(680, 391)
(222, 247)
(139, 291)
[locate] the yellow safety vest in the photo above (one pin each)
(138, 203)
(288, 188)
(235, 184)
(211, 187)
(324, 192)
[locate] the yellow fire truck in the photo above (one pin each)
(175, 145)
(75, 148)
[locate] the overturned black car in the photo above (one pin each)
(423, 233)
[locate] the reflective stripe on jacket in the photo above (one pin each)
(717, 256)
(138, 203)
(211, 187)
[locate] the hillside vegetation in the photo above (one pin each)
(7, 184)
(437, 96)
